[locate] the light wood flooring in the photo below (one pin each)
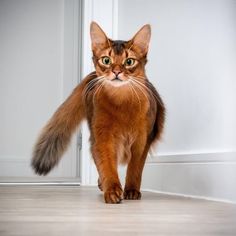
(72, 210)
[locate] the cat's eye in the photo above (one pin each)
(106, 60)
(129, 62)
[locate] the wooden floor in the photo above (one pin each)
(69, 211)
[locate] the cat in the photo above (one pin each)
(124, 111)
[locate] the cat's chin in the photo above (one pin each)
(117, 83)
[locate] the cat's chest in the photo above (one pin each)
(122, 104)
(122, 96)
(124, 113)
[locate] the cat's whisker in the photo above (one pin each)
(90, 87)
(148, 89)
(96, 79)
(140, 88)
(91, 84)
(144, 80)
(97, 90)
(130, 88)
(145, 88)
(95, 93)
(102, 85)
(134, 92)
(140, 77)
(141, 85)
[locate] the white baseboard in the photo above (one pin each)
(201, 175)
(18, 169)
(193, 157)
(209, 176)
(189, 196)
(43, 183)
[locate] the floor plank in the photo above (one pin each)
(69, 211)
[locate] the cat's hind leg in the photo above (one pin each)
(100, 184)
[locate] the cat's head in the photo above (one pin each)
(119, 61)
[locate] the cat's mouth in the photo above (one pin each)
(117, 82)
(117, 79)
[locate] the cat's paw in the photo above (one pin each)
(132, 194)
(113, 194)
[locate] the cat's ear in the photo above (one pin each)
(142, 38)
(98, 37)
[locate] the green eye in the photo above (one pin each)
(129, 62)
(106, 60)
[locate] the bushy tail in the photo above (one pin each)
(56, 135)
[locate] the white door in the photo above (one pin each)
(38, 69)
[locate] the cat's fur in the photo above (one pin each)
(124, 112)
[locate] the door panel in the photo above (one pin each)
(34, 80)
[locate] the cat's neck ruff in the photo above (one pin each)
(121, 93)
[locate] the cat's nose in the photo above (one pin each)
(116, 72)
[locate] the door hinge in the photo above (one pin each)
(79, 141)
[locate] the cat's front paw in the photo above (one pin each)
(113, 194)
(132, 194)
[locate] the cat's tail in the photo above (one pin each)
(160, 110)
(56, 135)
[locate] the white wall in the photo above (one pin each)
(192, 62)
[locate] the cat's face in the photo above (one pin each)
(116, 61)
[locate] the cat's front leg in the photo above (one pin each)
(106, 163)
(134, 171)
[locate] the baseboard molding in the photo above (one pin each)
(190, 196)
(202, 175)
(43, 183)
(18, 169)
(193, 157)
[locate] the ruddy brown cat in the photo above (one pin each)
(124, 111)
